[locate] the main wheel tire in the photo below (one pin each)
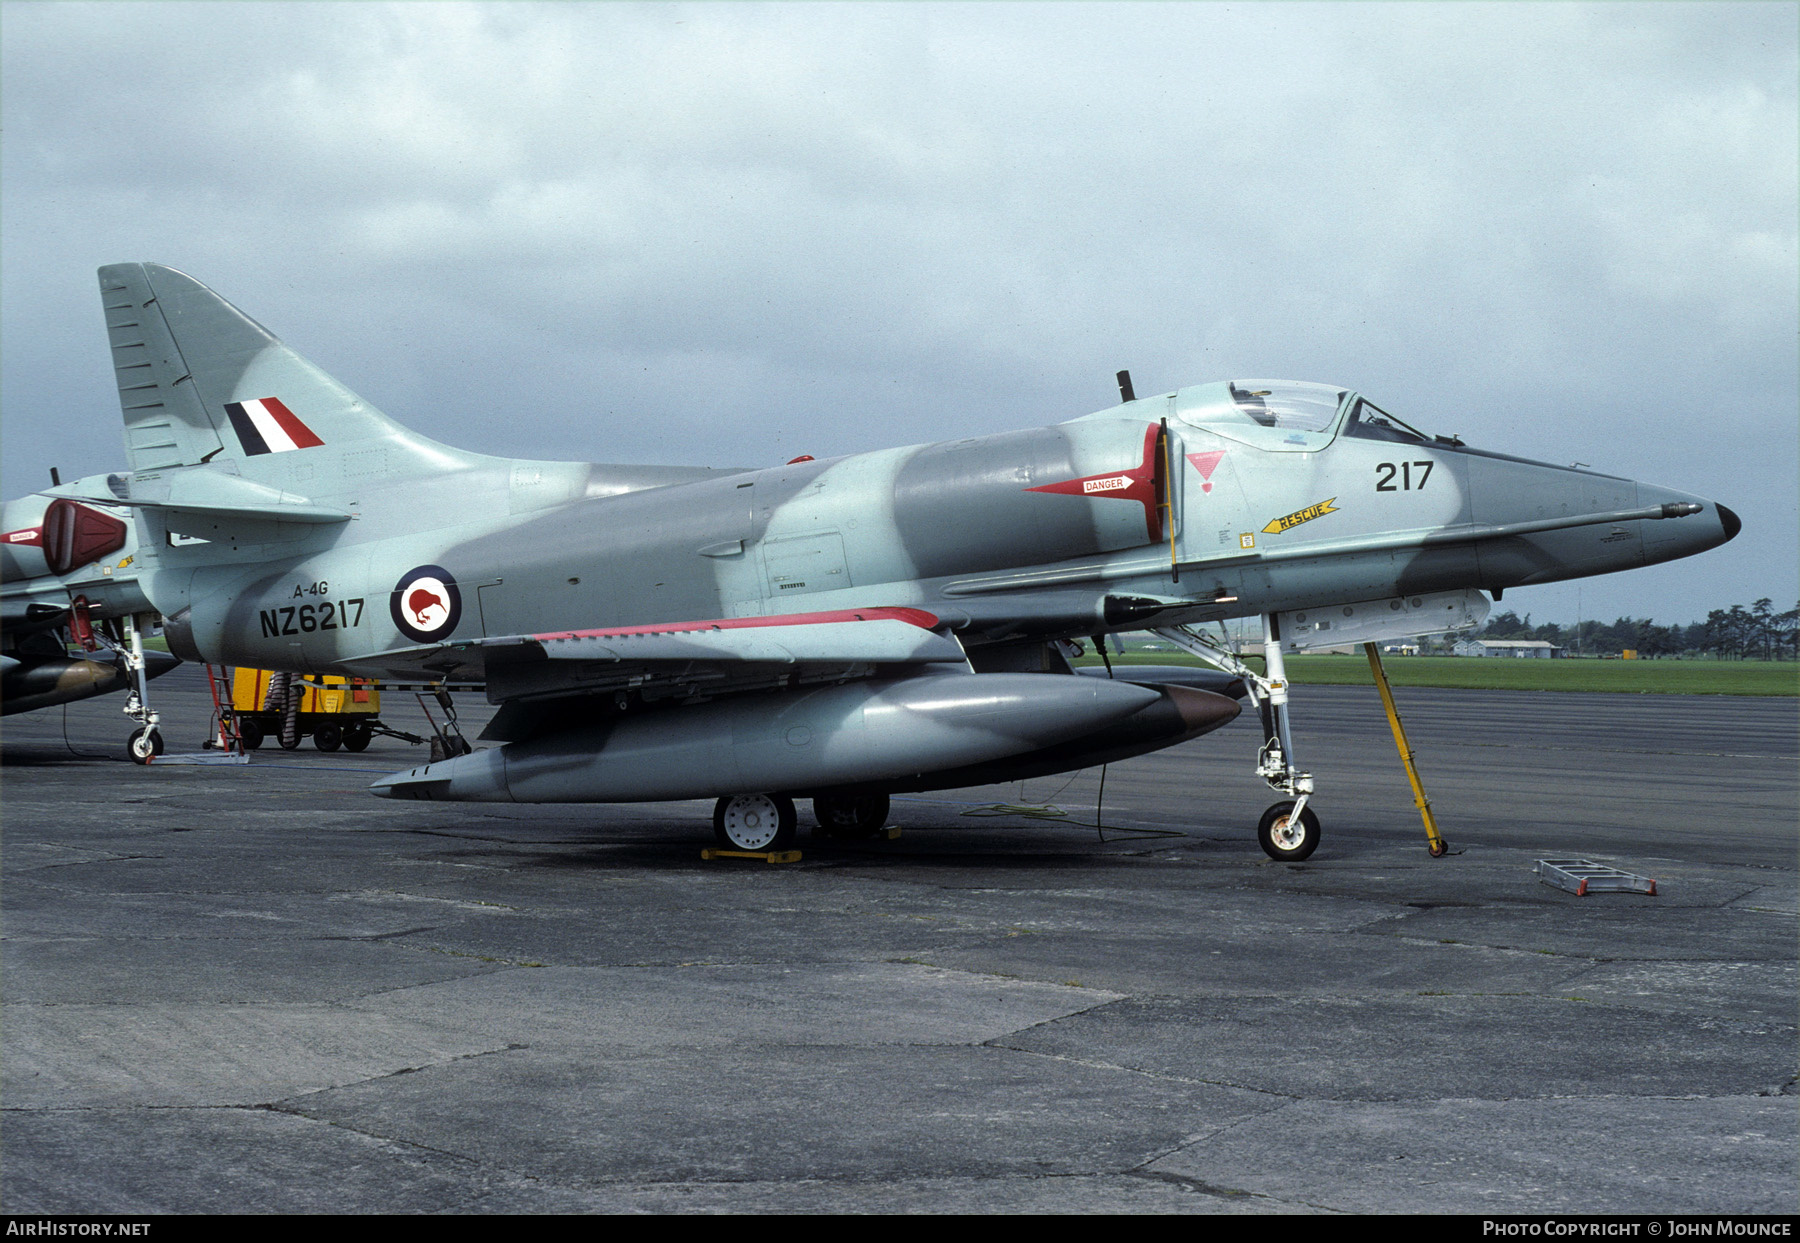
(855, 817)
(328, 737)
(356, 737)
(250, 732)
(1285, 840)
(144, 744)
(754, 822)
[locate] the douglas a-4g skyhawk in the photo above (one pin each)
(68, 591)
(839, 630)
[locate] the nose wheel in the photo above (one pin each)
(145, 744)
(755, 822)
(1288, 832)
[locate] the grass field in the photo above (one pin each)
(1639, 677)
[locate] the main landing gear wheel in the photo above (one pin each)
(145, 744)
(755, 822)
(855, 817)
(1283, 837)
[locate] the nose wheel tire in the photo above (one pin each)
(145, 744)
(1285, 838)
(853, 817)
(754, 822)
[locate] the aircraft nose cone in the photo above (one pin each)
(1693, 525)
(1731, 522)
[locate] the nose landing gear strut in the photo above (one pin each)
(1289, 830)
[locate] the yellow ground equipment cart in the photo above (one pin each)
(337, 712)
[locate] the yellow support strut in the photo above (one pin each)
(1436, 839)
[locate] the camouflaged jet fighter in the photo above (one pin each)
(68, 581)
(839, 630)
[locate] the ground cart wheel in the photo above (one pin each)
(356, 736)
(328, 737)
(250, 732)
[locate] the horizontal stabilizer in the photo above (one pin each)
(194, 502)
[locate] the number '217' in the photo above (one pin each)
(1387, 470)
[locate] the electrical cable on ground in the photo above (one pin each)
(80, 755)
(1049, 811)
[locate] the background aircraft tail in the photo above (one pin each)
(200, 381)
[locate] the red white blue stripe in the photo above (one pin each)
(265, 425)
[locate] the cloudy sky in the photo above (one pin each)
(730, 234)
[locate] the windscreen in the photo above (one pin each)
(1290, 415)
(1370, 422)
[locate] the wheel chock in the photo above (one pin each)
(767, 856)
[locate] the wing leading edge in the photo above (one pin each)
(680, 658)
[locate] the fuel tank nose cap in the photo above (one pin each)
(1731, 522)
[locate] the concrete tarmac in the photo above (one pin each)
(259, 989)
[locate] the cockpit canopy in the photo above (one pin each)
(1290, 416)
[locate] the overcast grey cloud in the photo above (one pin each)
(733, 233)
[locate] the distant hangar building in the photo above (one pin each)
(1527, 649)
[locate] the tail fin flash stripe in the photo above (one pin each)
(246, 431)
(265, 425)
(298, 432)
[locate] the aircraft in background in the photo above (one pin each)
(68, 592)
(842, 629)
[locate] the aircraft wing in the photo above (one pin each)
(678, 658)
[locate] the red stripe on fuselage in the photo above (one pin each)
(913, 617)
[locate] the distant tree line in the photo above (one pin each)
(1736, 633)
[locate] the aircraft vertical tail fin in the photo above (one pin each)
(199, 381)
